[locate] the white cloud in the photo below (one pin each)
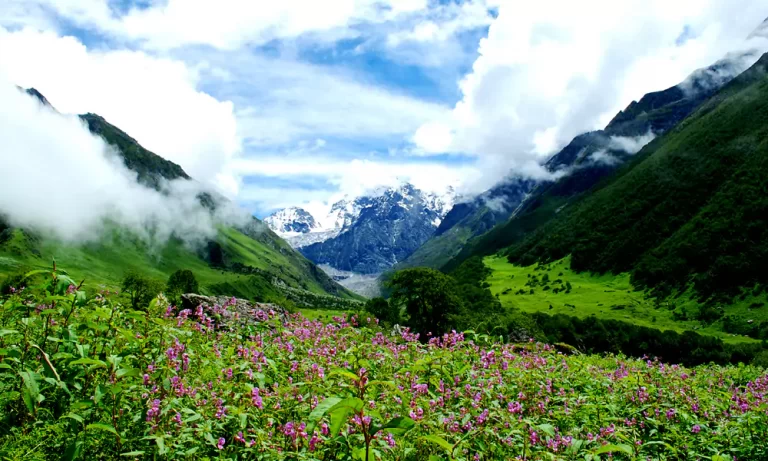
(288, 101)
(224, 24)
(351, 178)
(631, 145)
(60, 179)
(155, 100)
(549, 70)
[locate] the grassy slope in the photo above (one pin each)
(103, 264)
(598, 295)
(438, 250)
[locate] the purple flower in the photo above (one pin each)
(696, 429)
(221, 443)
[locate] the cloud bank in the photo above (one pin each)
(153, 99)
(550, 70)
(59, 179)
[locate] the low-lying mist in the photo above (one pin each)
(59, 179)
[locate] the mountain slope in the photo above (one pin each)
(690, 209)
(249, 261)
(593, 156)
(387, 229)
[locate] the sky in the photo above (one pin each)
(284, 103)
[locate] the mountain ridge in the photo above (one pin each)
(238, 255)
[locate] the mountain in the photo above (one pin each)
(582, 164)
(691, 210)
(367, 234)
(292, 220)
(248, 261)
(300, 228)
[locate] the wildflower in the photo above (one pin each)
(696, 429)
(221, 443)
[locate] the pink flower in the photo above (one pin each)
(696, 429)
(221, 443)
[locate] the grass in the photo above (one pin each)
(606, 296)
(104, 263)
(324, 315)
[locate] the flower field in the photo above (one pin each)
(88, 378)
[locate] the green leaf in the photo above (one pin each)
(397, 426)
(101, 390)
(8, 332)
(441, 442)
(35, 272)
(626, 449)
(73, 450)
(132, 453)
(341, 411)
(102, 427)
(721, 458)
(89, 361)
(74, 416)
(31, 390)
(359, 453)
(320, 410)
(344, 373)
(547, 429)
(128, 372)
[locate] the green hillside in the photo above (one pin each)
(250, 261)
(686, 221)
(692, 208)
(555, 288)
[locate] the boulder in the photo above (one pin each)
(244, 309)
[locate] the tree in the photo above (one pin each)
(181, 282)
(430, 298)
(140, 289)
(380, 308)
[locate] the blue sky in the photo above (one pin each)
(297, 102)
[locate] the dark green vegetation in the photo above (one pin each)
(682, 226)
(692, 208)
(249, 261)
(179, 283)
(437, 303)
(536, 202)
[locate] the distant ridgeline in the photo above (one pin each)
(249, 261)
(587, 159)
(691, 208)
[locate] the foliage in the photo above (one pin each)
(180, 282)
(430, 298)
(612, 296)
(690, 209)
(140, 289)
(380, 308)
(88, 378)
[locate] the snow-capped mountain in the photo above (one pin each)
(292, 220)
(366, 234)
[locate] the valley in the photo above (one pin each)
(544, 288)
(464, 230)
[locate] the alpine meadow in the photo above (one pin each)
(384, 230)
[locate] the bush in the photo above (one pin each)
(430, 298)
(179, 283)
(380, 308)
(140, 289)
